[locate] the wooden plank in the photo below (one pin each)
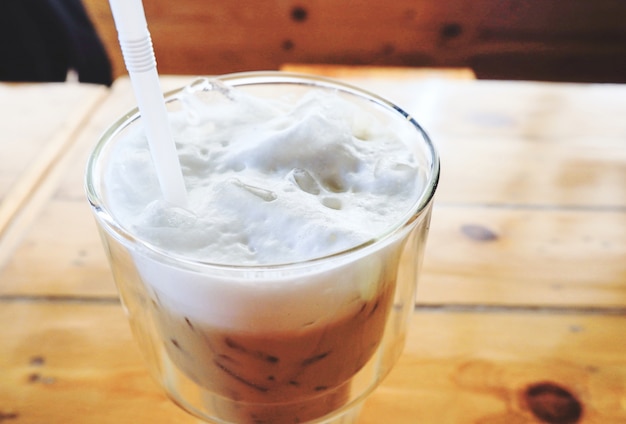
(525, 151)
(457, 367)
(70, 261)
(478, 367)
(35, 115)
(40, 121)
(63, 172)
(550, 242)
(548, 145)
(525, 257)
(475, 255)
(75, 363)
(397, 73)
(539, 39)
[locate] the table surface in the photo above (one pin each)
(520, 315)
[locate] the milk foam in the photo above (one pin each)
(269, 181)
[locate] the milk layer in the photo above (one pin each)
(270, 181)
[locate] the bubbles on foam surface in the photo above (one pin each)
(269, 181)
(260, 192)
(305, 181)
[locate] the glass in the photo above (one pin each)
(287, 343)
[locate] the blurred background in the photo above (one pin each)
(546, 40)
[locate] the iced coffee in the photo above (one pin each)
(280, 293)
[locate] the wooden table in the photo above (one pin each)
(521, 308)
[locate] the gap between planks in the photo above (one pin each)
(419, 307)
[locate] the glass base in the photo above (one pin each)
(347, 416)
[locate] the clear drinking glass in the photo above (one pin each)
(287, 343)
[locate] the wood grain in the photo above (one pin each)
(368, 73)
(29, 149)
(75, 363)
(546, 146)
(472, 367)
(477, 368)
(550, 40)
(507, 235)
(538, 258)
(521, 304)
(63, 164)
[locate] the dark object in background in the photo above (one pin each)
(41, 40)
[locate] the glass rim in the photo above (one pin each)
(413, 214)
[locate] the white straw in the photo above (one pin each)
(136, 44)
